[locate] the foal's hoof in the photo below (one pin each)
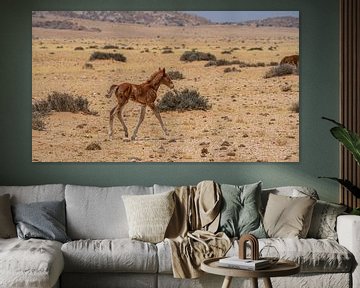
(133, 137)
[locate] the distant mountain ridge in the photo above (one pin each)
(283, 21)
(167, 18)
(133, 17)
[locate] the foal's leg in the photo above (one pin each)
(120, 116)
(141, 119)
(158, 116)
(111, 122)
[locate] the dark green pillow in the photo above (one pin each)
(240, 213)
(43, 220)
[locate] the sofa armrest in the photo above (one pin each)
(348, 230)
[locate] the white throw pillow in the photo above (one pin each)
(149, 215)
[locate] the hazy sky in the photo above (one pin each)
(239, 16)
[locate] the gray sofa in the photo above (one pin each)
(101, 254)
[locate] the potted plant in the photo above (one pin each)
(351, 141)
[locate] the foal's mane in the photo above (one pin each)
(153, 76)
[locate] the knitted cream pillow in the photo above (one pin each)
(149, 215)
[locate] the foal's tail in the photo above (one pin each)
(111, 90)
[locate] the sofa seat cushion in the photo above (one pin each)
(115, 255)
(30, 263)
(313, 255)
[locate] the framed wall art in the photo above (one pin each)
(165, 86)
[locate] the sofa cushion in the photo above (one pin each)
(240, 210)
(287, 216)
(117, 255)
(98, 213)
(313, 255)
(35, 193)
(291, 191)
(7, 227)
(149, 215)
(30, 263)
(323, 222)
(43, 220)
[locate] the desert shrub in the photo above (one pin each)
(260, 64)
(41, 107)
(184, 100)
(93, 47)
(106, 56)
(226, 52)
(37, 121)
(79, 48)
(281, 70)
(222, 62)
(231, 69)
(255, 49)
(167, 51)
(63, 102)
(88, 66)
(196, 56)
(175, 75)
(295, 107)
(273, 63)
(111, 47)
(93, 146)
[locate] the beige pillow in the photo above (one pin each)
(288, 217)
(7, 226)
(149, 215)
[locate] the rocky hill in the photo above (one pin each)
(134, 17)
(285, 21)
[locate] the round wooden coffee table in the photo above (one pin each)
(281, 268)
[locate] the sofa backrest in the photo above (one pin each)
(35, 193)
(98, 212)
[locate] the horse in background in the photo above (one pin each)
(292, 60)
(145, 94)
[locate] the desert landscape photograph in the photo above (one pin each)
(165, 86)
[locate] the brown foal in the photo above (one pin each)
(145, 94)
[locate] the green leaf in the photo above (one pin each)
(347, 184)
(349, 139)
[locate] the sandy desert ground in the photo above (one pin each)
(251, 119)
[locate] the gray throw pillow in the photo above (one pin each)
(323, 222)
(7, 227)
(240, 213)
(44, 220)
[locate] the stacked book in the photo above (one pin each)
(248, 264)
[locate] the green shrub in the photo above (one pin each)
(184, 100)
(196, 56)
(281, 70)
(106, 56)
